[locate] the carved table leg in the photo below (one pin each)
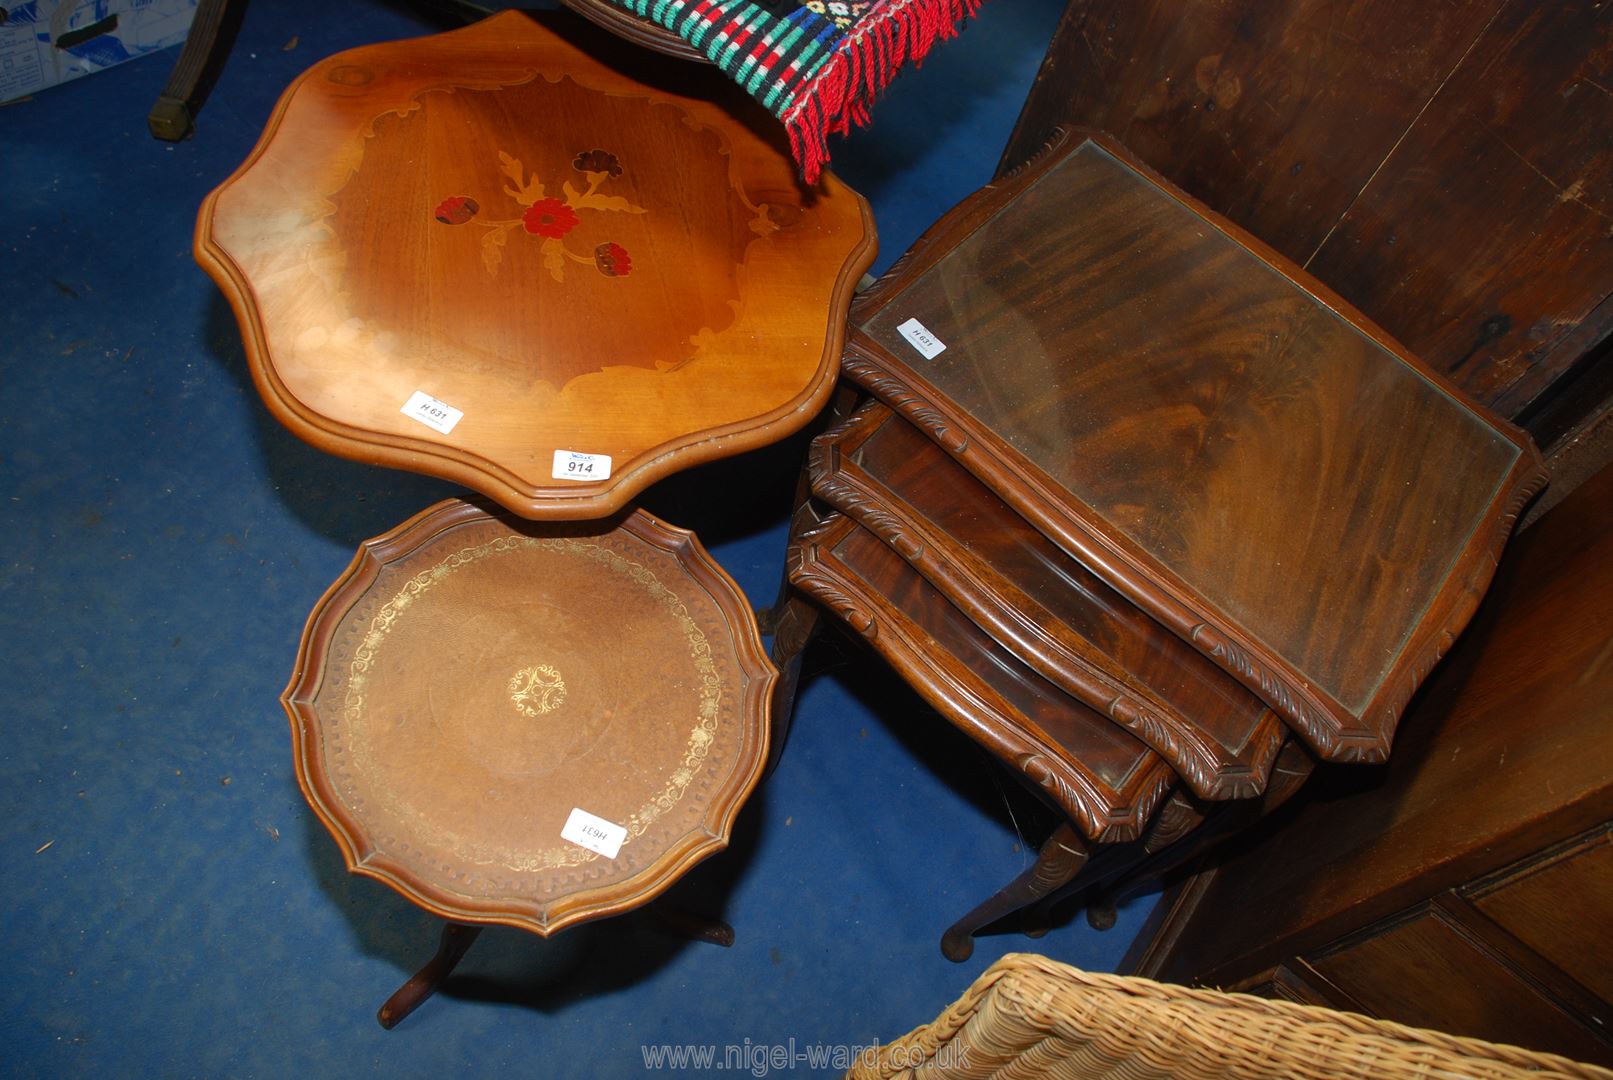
(1061, 857)
(844, 402)
(1288, 774)
(798, 621)
(1178, 817)
(687, 924)
(457, 938)
(1101, 915)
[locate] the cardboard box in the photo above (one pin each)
(45, 42)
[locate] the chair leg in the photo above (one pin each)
(457, 938)
(212, 32)
(1060, 859)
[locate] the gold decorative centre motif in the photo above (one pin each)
(702, 734)
(537, 690)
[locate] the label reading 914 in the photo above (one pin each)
(570, 465)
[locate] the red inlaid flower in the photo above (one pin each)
(456, 210)
(597, 161)
(613, 260)
(549, 217)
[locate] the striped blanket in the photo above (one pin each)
(817, 65)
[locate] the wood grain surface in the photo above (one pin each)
(574, 258)
(474, 678)
(1486, 243)
(1507, 754)
(1214, 434)
(1104, 780)
(1048, 609)
(1444, 167)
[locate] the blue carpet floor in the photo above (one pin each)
(171, 907)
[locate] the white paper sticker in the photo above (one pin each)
(921, 339)
(570, 465)
(437, 415)
(594, 833)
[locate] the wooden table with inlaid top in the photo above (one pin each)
(529, 725)
(535, 260)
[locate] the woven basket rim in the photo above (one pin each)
(1129, 1017)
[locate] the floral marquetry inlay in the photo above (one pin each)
(548, 216)
(553, 226)
(537, 227)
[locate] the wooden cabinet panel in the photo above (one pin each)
(1560, 907)
(1445, 167)
(1485, 240)
(1429, 973)
(1276, 115)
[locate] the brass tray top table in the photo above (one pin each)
(1206, 428)
(493, 256)
(529, 725)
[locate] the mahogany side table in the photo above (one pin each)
(1054, 614)
(496, 256)
(1166, 474)
(1212, 432)
(528, 725)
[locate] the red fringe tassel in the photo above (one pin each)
(898, 32)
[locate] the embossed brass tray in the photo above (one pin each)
(473, 679)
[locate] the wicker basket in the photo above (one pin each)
(1028, 1016)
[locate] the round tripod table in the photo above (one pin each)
(526, 725)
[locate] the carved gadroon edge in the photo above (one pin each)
(1466, 604)
(1081, 797)
(1318, 726)
(1179, 816)
(1531, 486)
(841, 483)
(1056, 138)
(1188, 752)
(1075, 794)
(807, 573)
(895, 393)
(830, 484)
